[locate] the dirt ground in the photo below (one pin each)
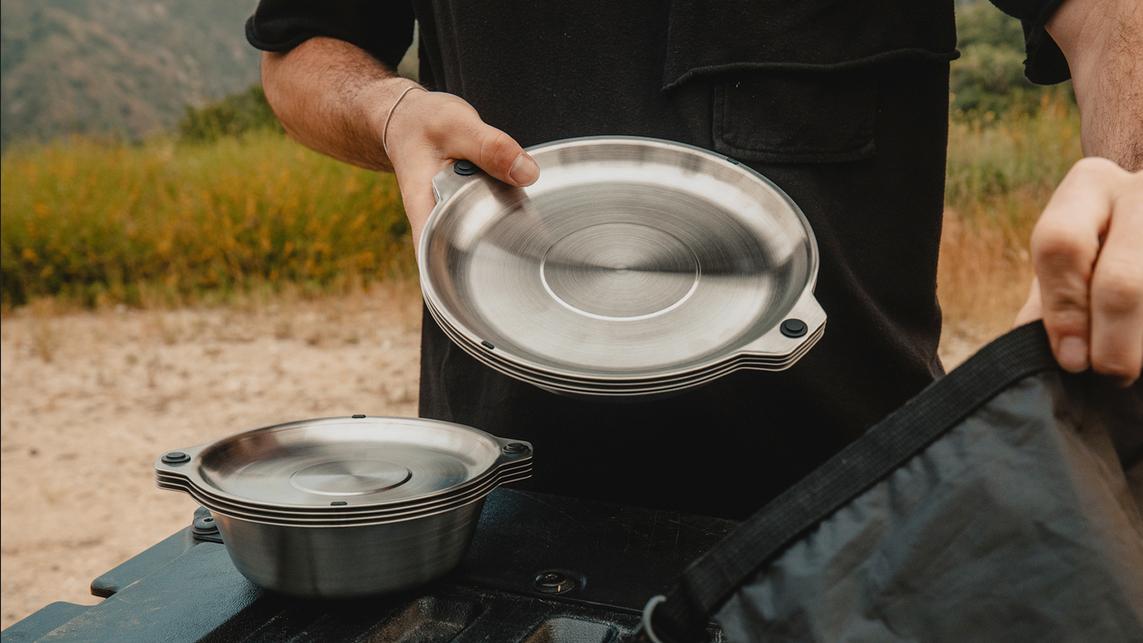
(91, 399)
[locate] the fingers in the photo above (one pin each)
(1087, 250)
(1117, 292)
(1065, 244)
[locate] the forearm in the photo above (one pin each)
(1103, 43)
(333, 97)
(338, 100)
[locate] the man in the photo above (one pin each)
(843, 105)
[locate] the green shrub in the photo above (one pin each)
(234, 115)
(989, 76)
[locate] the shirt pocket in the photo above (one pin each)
(796, 117)
(797, 82)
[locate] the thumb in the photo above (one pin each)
(497, 154)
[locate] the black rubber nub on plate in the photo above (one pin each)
(793, 328)
(175, 457)
(464, 168)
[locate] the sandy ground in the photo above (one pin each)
(91, 399)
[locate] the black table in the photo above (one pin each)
(541, 569)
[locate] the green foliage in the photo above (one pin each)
(989, 76)
(104, 221)
(234, 115)
(1009, 164)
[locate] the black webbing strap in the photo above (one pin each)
(709, 581)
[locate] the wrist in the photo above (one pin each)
(376, 104)
(389, 117)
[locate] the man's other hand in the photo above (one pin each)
(1087, 250)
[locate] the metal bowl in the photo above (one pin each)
(346, 507)
(349, 561)
(631, 259)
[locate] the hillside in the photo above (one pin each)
(125, 67)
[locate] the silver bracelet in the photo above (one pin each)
(385, 127)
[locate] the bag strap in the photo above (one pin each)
(684, 613)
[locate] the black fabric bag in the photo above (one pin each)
(1003, 503)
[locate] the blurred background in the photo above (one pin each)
(174, 269)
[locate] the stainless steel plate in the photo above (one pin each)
(630, 259)
(510, 463)
(374, 462)
(344, 520)
(640, 389)
(631, 386)
(333, 514)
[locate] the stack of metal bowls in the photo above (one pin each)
(344, 507)
(634, 267)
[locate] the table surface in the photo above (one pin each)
(607, 561)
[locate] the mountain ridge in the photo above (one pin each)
(116, 67)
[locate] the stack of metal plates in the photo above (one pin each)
(634, 267)
(338, 472)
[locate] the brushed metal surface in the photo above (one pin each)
(364, 462)
(349, 562)
(342, 507)
(335, 518)
(642, 389)
(630, 259)
(780, 352)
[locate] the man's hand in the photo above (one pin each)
(428, 131)
(1087, 248)
(336, 99)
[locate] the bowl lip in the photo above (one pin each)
(596, 390)
(458, 508)
(191, 468)
(433, 298)
(513, 473)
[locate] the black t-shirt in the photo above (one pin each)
(844, 105)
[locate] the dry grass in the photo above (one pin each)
(1001, 173)
(982, 281)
